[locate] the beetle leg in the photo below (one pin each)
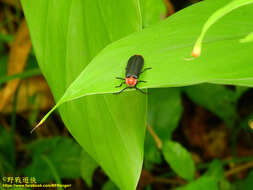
(120, 78)
(146, 69)
(140, 90)
(142, 81)
(120, 85)
(121, 90)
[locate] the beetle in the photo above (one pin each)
(133, 71)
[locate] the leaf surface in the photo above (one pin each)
(165, 48)
(66, 35)
(179, 159)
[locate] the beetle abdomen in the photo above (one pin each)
(134, 66)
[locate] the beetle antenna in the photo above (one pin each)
(146, 69)
(120, 78)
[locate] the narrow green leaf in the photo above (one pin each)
(6, 38)
(3, 65)
(214, 18)
(88, 166)
(179, 159)
(25, 74)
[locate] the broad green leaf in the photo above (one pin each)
(66, 163)
(88, 166)
(214, 18)
(207, 183)
(179, 159)
(165, 47)
(248, 38)
(66, 35)
(218, 99)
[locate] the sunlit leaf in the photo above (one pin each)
(165, 48)
(66, 35)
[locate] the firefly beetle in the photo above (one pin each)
(133, 71)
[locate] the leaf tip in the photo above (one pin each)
(196, 51)
(39, 124)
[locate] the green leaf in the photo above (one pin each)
(165, 111)
(215, 170)
(215, 17)
(25, 74)
(152, 11)
(165, 47)
(109, 185)
(218, 99)
(151, 153)
(179, 159)
(65, 163)
(66, 35)
(88, 166)
(240, 90)
(6, 38)
(226, 185)
(207, 183)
